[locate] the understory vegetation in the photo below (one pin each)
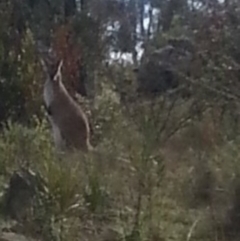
(142, 182)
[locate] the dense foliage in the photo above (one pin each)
(160, 82)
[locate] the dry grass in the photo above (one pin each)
(135, 186)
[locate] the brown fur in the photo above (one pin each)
(66, 114)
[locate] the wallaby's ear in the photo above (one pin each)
(58, 74)
(59, 70)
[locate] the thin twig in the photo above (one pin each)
(192, 229)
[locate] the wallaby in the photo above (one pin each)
(69, 123)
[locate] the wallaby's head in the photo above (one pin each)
(52, 68)
(54, 89)
(53, 71)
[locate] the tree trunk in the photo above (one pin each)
(70, 7)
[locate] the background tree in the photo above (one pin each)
(86, 33)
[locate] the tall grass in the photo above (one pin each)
(157, 174)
